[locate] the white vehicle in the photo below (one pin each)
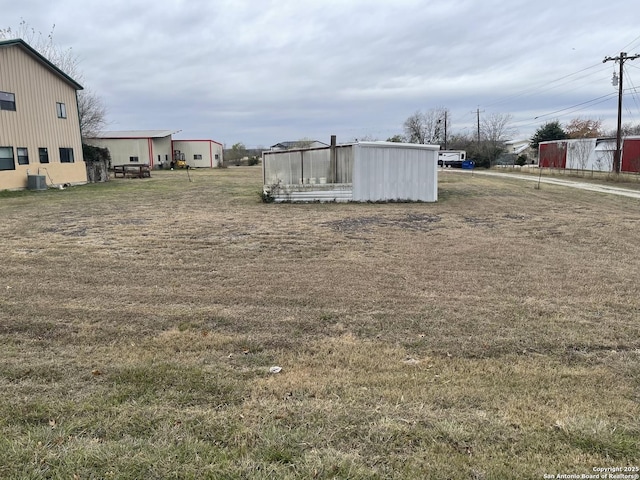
(451, 158)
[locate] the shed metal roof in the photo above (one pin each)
(297, 144)
(132, 134)
(29, 50)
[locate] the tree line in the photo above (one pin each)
(488, 143)
(484, 146)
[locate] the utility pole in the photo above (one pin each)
(445, 129)
(478, 114)
(621, 59)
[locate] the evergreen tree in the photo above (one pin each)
(549, 131)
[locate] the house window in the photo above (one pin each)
(7, 101)
(217, 156)
(61, 108)
(197, 157)
(66, 155)
(133, 159)
(6, 159)
(23, 156)
(166, 158)
(43, 153)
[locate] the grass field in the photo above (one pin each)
(494, 334)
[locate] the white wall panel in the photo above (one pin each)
(384, 171)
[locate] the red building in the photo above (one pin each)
(590, 154)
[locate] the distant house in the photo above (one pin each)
(519, 147)
(157, 148)
(297, 144)
(39, 122)
(515, 149)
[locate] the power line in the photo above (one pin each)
(537, 89)
(633, 91)
(609, 95)
(631, 42)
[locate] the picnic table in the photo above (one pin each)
(132, 170)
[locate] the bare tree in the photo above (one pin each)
(581, 151)
(495, 130)
(90, 106)
(397, 138)
(629, 129)
(496, 127)
(367, 138)
(426, 127)
(584, 128)
(92, 113)
(414, 128)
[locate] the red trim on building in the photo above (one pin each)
(150, 142)
(631, 155)
(187, 140)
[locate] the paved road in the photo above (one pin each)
(624, 192)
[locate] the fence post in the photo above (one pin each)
(333, 164)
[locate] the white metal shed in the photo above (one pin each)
(361, 172)
(388, 171)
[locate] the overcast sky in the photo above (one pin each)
(264, 71)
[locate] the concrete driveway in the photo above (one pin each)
(624, 192)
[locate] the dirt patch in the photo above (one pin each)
(415, 221)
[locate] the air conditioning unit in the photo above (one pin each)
(36, 182)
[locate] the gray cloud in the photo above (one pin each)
(266, 71)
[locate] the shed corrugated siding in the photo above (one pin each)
(383, 173)
(123, 148)
(35, 123)
(207, 148)
(344, 161)
(314, 193)
(602, 156)
(160, 146)
(553, 155)
(283, 168)
(580, 154)
(301, 166)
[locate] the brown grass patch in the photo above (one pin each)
(493, 334)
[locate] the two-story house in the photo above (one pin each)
(39, 120)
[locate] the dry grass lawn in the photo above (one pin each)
(494, 334)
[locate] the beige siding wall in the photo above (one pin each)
(146, 149)
(35, 123)
(162, 147)
(205, 148)
(122, 149)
